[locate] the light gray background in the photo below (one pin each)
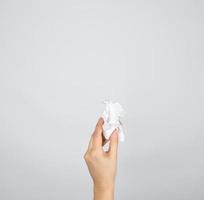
(60, 59)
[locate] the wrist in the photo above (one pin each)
(104, 185)
(104, 193)
(107, 188)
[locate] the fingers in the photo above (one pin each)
(97, 139)
(97, 135)
(113, 148)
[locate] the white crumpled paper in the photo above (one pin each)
(112, 119)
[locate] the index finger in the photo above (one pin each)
(97, 135)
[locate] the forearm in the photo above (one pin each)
(103, 194)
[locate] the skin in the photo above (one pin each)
(102, 165)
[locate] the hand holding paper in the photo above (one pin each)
(102, 165)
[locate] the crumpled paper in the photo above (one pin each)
(112, 119)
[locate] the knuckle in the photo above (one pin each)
(86, 156)
(91, 155)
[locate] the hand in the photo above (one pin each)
(102, 165)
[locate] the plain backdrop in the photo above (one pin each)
(60, 59)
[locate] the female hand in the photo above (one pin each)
(102, 165)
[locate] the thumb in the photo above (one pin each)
(113, 147)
